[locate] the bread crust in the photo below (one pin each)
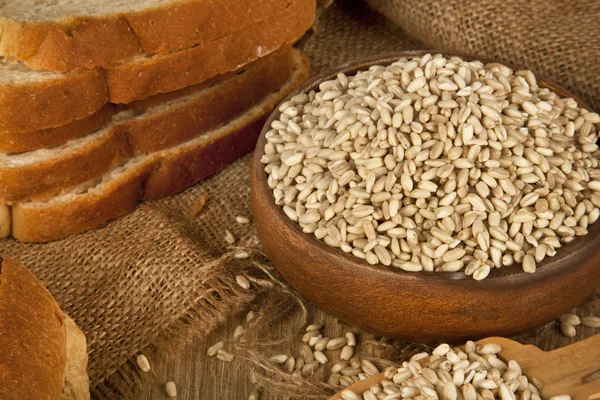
(4, 221)
(149, 132)
(187, 166)
(68, 44)
(52, 103)
(184, 166)
(157, 175)
(76, 385)
(144, 77)
(48, 177)
(76, 95)
(32, 336)
(72, 43)
(42, 224)
(11, 142)
(212, 108)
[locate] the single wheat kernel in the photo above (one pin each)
(229, 238)
(242, 281)
(591, 322)
(143, 363)
(171, 389)
(242, 220)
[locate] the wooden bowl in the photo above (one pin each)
(425, 306)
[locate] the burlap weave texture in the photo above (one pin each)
(555, 38)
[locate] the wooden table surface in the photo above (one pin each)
(199, 377)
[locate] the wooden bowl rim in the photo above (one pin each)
(581, 247)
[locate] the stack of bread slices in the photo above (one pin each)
(104, 104)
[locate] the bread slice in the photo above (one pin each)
(32, 336)
(44, 354)
(147, 177)
(144, 76)
(138, 131)
(35, 100)
(11, 142)
(62, 35)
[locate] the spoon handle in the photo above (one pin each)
(577, 368)
(572, 369)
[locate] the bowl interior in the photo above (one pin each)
(568, 255)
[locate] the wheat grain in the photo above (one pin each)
(350, 338)
(143, 363)
(591, 322)
(487, 165)
(214, 349)
(171, 389)
(320, 357)
(229, 238)
(242, 281)
(567, 329)
(337, 343)
(570, 319)
(347, 352)
(225, 356)
(242, 219)
(278, 359)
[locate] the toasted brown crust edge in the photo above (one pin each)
(11, 142)
(136, 80)
(157, 178)
(32, 336)
(181, 169)
(65, 219)
(213, 108)
(72, 43)
(50, 104)
(69, 44)
(78, 94)
(47, 178)
(145, 135)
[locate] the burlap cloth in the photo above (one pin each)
(156, 278)
(559, 39)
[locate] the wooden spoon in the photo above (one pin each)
(572, 370)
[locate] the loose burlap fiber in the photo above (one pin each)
(155, 278)
(555, 38)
